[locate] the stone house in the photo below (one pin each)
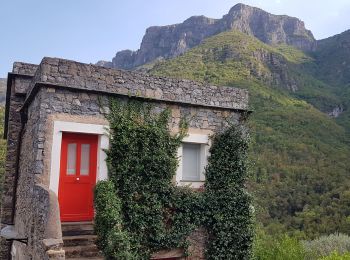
(56, 132)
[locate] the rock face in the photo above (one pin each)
(337, 111)
(269, 28)
(169, 41)
(103, 63)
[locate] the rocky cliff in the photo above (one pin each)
(163, 42)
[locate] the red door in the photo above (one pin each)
(77, 176)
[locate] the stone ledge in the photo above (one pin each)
(82, 76)
(52, 88)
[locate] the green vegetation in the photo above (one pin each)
(301, 177)
(228, 205)
(140, 211)
(337, 256)
(333, 59)
(108, 222)
(328, 245)
(284, 247)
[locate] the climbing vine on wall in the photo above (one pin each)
(229, 222)
(140, 211)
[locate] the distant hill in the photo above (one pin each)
(2, 91)
(333, 58)
(163, 42)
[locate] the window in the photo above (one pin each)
(192, 160)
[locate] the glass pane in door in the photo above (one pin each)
(85, 159)
(71, 159)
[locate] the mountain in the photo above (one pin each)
(2, 91)
(163, 42)
(301, 173)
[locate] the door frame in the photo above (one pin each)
(73, 127)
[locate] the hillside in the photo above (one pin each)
(333, 59)
(163, 42)
(332, 65)
(301, 173)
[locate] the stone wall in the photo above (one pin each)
(16, 100)
(23, 68)
(33, 207)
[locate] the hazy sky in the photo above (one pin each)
(91, 30)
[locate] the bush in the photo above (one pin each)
(108, 223)
(337, 256)
(229, 223)
(281, 247)
(327, 245)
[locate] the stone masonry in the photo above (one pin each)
(60, 88)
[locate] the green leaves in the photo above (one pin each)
(229, 216)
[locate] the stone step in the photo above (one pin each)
(77, 228)
(79, 240)
(84, 252)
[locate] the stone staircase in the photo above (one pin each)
(79, 241)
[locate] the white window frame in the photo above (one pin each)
(73, 127)
(203, 140)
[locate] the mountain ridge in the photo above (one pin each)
(164, 42)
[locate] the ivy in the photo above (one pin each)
(229, 221)
(140, 211)
(113, 240)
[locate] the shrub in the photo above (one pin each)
(337, 256)
(326, 245)
(281, 247)
(111, 239)
(229, 210)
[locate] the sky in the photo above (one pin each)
(92, 30)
